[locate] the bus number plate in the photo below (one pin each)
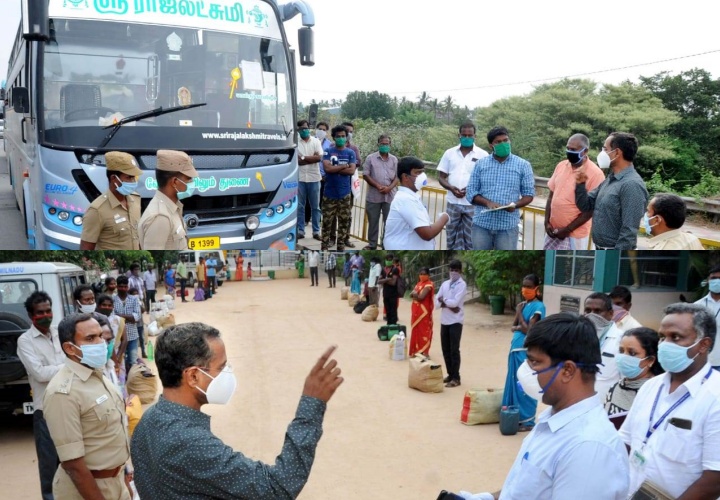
(204, 243)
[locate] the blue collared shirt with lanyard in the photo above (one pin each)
(638, 458)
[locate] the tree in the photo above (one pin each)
(87, 259)
(501, 273)
(369, 105)
(448, 106)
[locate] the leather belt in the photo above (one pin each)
(105, 474)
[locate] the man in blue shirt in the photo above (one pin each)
(211, 272)
(499, 185)
(339, 163)
(573, 451)
(175, 454)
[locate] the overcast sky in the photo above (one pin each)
(402, 47)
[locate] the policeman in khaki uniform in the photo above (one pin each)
(111, 221)
(85, 414)
(161, 225)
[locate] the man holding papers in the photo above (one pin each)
(499, 185)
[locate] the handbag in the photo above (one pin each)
(355, 184)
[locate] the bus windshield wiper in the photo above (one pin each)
(140, 116)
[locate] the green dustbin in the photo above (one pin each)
(497, 304)
(271, 274)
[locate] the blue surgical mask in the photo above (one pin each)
(714, 285)
(126, 188)
(188, 192)
(629, 366)
(646, 223)
(674, 358)
(110, 349)
(94, 355)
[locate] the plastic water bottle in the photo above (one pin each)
(150, 351)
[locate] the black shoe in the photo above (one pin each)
(301, 236)
(446, 379)
(350, 244)
(316, 236)
(453, 383)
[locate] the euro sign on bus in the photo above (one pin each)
(212, 78)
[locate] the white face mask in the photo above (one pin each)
(528, 381)
(86, 308)
(320, 134)
(603, 159)
(222, 387)
(421, 181)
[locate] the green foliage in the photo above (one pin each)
(425, 143)
(501, 273)
(369, 105)
(87, 259)
(124, 258)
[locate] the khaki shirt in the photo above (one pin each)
(85, 415)
(162, 226)
(109, 225)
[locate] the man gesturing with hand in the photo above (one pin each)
(176, 455)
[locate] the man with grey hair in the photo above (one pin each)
(176, 455)
(673, 428)
(566, 226)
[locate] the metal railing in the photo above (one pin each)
(529, 238)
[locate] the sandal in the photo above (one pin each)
(525, 428)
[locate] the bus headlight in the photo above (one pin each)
(252, 223)
(290, 237)
(279, 209)
(288, 204)
(63, 216)
(77, 220)
(269, 212)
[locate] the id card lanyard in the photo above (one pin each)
(652, 428)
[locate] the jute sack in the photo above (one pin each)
(344, 291)
(134, 412)
(142, 382)
(481, 406)
(353, 299)
(166, 321)
(425, 374)
(370, 313)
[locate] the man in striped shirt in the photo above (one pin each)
(128, 307)
(330, 265)
(499, 185)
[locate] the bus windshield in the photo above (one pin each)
(96, 72)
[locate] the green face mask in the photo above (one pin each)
(384, 149)
(502, 150)
(43, 321)
(467, 142)
(388, 263)
(111, 346)
(304, 133)
(340, 141)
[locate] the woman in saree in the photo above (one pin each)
(355, 284)
(421, 329)
(528, 312)
(239, 261)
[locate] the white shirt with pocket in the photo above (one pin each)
(674, 458)
(609, 374)
(459, 168)
(407, 212)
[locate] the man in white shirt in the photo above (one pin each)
(150, 280)
(599, 306)
(673, 428)
(40, 353)
(622, 302)
(712, 303)
(408, 225)
(310, 154)
(313, 258)
(374, 276)
(573, 452)
(451, 300)
(454, 170)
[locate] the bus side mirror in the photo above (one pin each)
(20, 100)
(306, 44)
(35, 23)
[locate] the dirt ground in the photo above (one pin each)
(381, 439)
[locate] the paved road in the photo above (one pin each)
(13, 228)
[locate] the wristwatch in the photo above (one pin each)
(302, 158)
